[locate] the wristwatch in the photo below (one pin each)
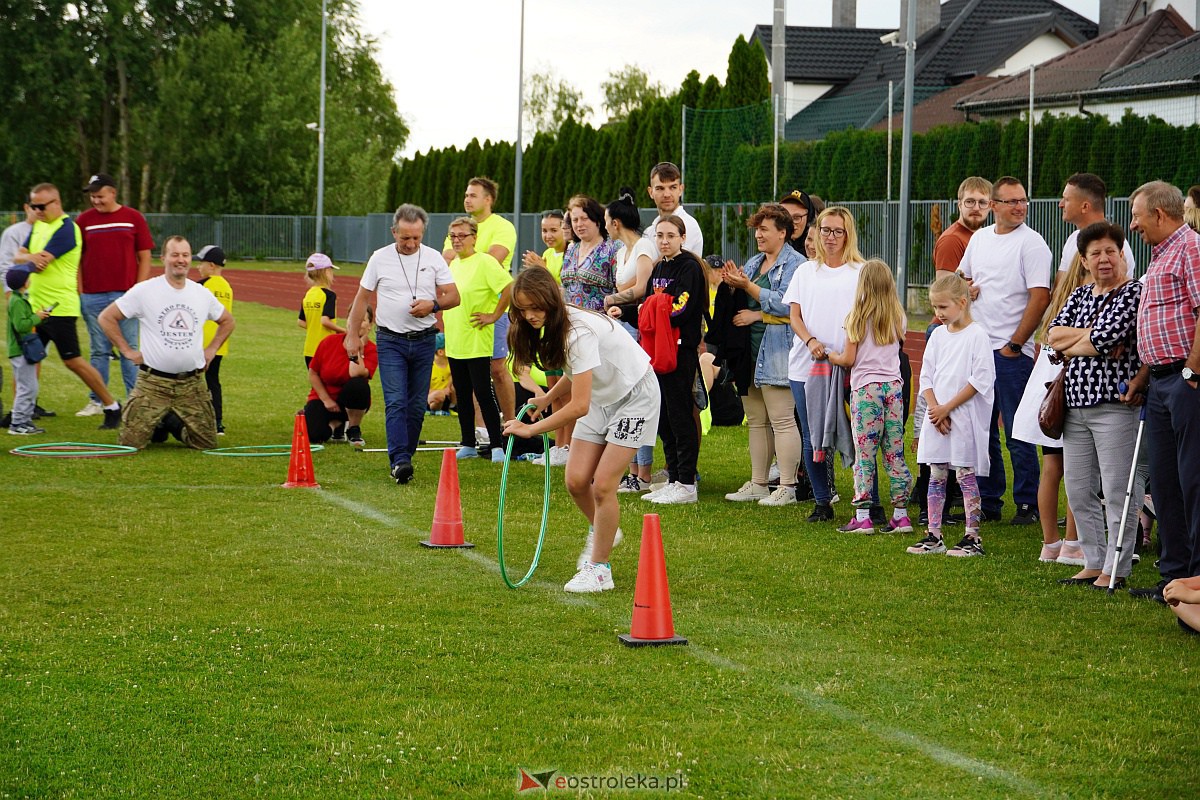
(1013, 347)
(1189, 375)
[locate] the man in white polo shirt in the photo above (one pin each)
(408, 283)
(1008, 264)
(666, 190)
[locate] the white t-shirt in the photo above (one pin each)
(695, 239)
(399, 280)
(825, 296)
(618, 371)
(1005, 267)
(627, 270)
(171, 330)
(1071, 249)
(951, 361)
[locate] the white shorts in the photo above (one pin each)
(631, 422)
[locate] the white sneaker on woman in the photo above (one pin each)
(591, 578)
(783, 496)
(586, 555)
(749, 491)
(676, 494)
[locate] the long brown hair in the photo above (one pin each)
(547, 348)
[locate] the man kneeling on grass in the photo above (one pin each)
(170, 388)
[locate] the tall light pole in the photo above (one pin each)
(910, 50)
(520, 115)
(321, 137)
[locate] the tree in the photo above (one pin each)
(627, 89)
(550, 100)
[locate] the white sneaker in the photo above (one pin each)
(676, 495)
(92, 409)
(654, 493)
(749, 491)
(481, 439)
(783, 496)
(773, 473)
(559, 455)
(586, 555)
(591, 578)
(837, 498)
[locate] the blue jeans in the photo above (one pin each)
(1011, 376)
(818, 474)
(99, 346)
(405, 366)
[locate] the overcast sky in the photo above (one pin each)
(455, 64)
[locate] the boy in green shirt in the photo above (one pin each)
(21, 321)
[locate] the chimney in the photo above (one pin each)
(1112, 14)
(845, 13)
(929, 16)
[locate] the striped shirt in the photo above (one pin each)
(1166, 323)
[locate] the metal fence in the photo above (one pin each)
(353, 239)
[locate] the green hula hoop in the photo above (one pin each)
(73, 450)
(537, 554)
(258, 450)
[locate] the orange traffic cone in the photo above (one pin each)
(652, 623)
(447, 529)
(300, 467)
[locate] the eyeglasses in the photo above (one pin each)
(836, 233)
(798, 218)
(42, 206)
(971, 202)
(454, 236)
(1024, 201)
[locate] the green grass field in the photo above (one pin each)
(173, 624)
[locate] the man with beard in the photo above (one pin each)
(974, 202)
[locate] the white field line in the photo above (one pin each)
(932, 750)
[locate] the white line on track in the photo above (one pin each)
(932, 750)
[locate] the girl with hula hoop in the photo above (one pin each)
(614, 401)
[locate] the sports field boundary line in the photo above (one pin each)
(814, 702)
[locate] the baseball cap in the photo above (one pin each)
(212, 254)
(796, 196)
(318, 261)
(439, 341)
(99, 181)
(16, 278)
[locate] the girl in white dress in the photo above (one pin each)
(957, 374)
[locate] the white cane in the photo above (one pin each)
(1137, 446)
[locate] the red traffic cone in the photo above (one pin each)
(300, 467)
(652, 623)
(447, 528)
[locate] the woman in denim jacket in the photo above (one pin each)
(770, 407)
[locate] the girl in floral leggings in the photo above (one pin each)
(874, 330)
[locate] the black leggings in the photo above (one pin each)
(473, 376)
(676, 422)
(355, 394)
(213, 378)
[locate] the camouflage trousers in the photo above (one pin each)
(153, 396)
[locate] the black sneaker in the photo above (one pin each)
(923, 518)
(967, 548)
(354, 436)
(822, 512)
(1154, 592)
(402, 471)
(953, 518)
(991, 516)
(338, 435)
(1026, 515)
(6, 421)
(878, 515)
(39, 412)
(220, 430)
(112, 419)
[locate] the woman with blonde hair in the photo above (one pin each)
(1026, 428)
(820, 296)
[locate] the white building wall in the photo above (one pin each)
(798, 96)
(1041, 49)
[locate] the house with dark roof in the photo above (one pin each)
(838, 77)
(1066, 83)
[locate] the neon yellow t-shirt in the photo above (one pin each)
(493, 230)
(224, 293)
(58, 282)
(318, 302)
(480, 280)
(554, 261)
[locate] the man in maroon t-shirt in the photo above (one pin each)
(116, 255)
(974, 202)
